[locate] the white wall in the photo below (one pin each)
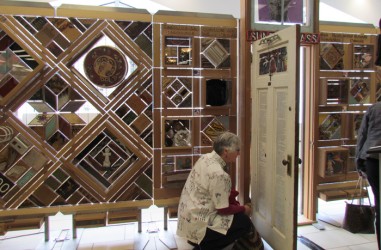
(363, 11)
(230, 7)
(368, 11)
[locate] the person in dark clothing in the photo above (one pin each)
(369, 135)
(378, 55)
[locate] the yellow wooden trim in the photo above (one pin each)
(336, 185)
(26, 8)
(105, 206)
(167, 202)
(347, 28)
(29, 211)
(97, 12)
(177, 17)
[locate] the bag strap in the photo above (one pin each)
(360, 184)
(367, 189)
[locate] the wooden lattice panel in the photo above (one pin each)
(87, 102)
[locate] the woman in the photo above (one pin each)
(369, 135)
(205, 216)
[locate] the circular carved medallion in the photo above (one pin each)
(105, 66)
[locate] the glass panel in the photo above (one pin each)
(280, 11)
(178, 51)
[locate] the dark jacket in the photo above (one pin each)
(369, 133)
(378, 55)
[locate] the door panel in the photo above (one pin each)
(275, 136)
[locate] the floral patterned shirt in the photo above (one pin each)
(206, 190)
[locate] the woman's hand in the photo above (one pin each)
(248, 209)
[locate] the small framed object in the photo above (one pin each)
(334, 91)
(175, 170)
(359, 91)
(363, 56)
(378, 91)
(330, 126)
(351, 165)
(218, 92)
(178, 51)
(177, 92)
(184, 162)
(271, 14)
(357, 119)
(215, 53)
(331, 56)
(177, 133)
(17, 171)
(333, 161)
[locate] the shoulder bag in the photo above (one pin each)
(359, 218)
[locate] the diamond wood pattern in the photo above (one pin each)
(83, 128)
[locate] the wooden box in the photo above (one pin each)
(332, 161)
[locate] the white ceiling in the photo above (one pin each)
(357, 11)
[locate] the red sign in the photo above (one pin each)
(305, 38)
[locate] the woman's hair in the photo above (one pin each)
(226, 140)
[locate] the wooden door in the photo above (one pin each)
(274, 142)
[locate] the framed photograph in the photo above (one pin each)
(273, 61)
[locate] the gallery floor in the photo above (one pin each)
(125, 236)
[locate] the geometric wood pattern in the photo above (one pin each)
(92, 132)
(347, 87)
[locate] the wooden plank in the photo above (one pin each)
(25, 223)
(89, 220)
(167, 202)
(26, 8)
(82, 11)
(333, 195)
(105, 206)
(115, 217)
(29, 211)
(336, 185)
(195, 18)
